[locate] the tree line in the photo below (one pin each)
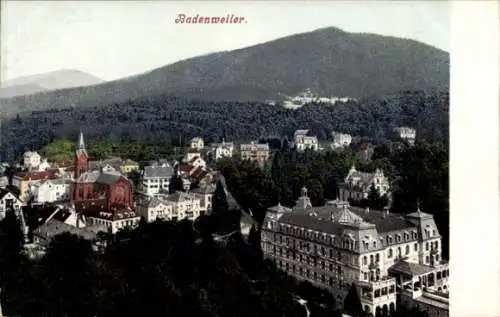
(165, 119)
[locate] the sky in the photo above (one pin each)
(115, 39)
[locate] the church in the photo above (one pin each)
(106, 190)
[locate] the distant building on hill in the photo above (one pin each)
(255, 152)
(357, 184)
(197, 143)
(304, 141)
(341, 140)
(407, 134)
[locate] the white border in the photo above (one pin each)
(474, 161)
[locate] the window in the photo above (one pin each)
(415, 246)
(371, 258)
(365, 276)
(365, 260)
(427, 246)
(377, 258)
(389, 255)
(407, 250)
(375, 244)
(427, 259)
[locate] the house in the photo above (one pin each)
(129, 166)
(303, 141)
(205, 194)
(357, 185)
(335, 246)
(177, 206)
(197, 143)
(4, 181)
(155, 208)
(110, 220)
(407, 134)
(48, 191)
(31, 160)
(9, 201)
(221, 150)
(24, 180)
(340, 140)
(191, 154)
(44, 165)
(156, 177)
(255, 152)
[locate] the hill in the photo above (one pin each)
(66, 78)
(329, 61)
(165, 118)
(19, 90)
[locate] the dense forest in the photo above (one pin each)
(163, 120)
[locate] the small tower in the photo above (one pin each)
(304, 201)
(81, 157)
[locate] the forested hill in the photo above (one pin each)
(163, 118)
(329, 61)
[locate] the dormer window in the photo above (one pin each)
(398, 238)
(375, 244)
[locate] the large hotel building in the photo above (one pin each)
(392, 259)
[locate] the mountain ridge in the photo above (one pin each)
(49, 81)
(330, 61)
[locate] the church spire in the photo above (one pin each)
(80, 146)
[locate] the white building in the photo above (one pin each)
(155, 178)
(51, 190)
(357, 184)
(197, 144)
(44, 165)
(191, 155)
(303, 141)
(221, 150)
(9, 201)
(113, 222)
(407, 134)
(177, 206)
(341, 140)
(4, 181)
(336, 246)
(31, 160)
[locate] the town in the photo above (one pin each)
(346, 242)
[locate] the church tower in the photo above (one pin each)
(81, 158)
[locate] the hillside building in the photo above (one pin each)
(357, 184)
(341, 140)
(255, 152)
(336, 246)
(407, 134)
(304, 141)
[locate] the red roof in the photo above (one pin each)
(186, 168)
(199, 173)
(35, 176)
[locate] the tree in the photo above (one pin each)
(11, 259)
(352, 303)
(219, 200)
